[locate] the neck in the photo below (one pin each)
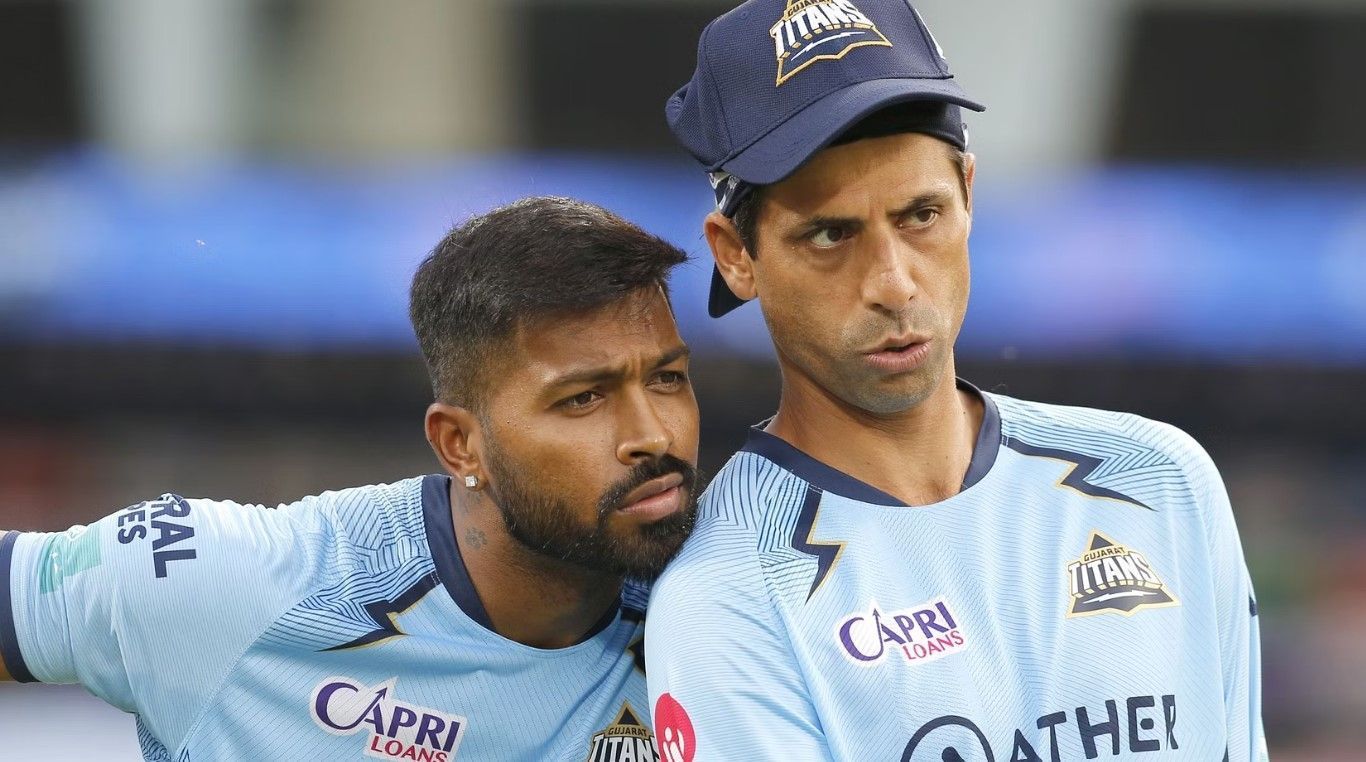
(531, 599)
(919, 456)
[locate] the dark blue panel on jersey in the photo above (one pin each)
(834, 481)
(988, 438)
(1082, 466)
(825, 552)
(382, 613)
(436, 510)
(9, 638)
(813, 471)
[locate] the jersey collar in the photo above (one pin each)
(832, 480)
(450, 566)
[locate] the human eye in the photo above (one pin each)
(921, 217)
(670, 380)
(828, 237)
(581, 402)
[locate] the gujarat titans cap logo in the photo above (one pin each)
(820, 30)
(1112, 577)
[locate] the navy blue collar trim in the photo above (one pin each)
(832, 480)
(450, 567)
(988, 438)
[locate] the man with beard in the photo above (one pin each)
(492, 612)
(898, 565)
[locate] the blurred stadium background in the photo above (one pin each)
(210, 209)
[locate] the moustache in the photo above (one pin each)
(615, 495)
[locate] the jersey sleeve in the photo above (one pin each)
(723, 678)
(148, 608)
(1236, 612)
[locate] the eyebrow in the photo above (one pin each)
(938, 195)
(601, 374)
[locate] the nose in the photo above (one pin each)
(889, 282)
(643, 434)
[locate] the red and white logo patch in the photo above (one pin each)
(673, 731)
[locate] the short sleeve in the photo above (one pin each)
(148, 608)
(1236, 612)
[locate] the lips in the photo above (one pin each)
(902, 354)
(899, 343)
(650, 489)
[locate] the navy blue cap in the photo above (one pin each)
(778, 80)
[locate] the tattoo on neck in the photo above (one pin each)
(475, 538)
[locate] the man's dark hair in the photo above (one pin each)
(533, 259)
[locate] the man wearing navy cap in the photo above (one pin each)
(898, 565)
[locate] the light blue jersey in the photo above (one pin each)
(339, 627)
(1083, 597)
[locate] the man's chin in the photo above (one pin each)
(651, 547)
(892, 395)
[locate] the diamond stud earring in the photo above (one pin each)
(471, 481)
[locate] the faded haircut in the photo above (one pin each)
(537, 258)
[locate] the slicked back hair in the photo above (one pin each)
(537, 258)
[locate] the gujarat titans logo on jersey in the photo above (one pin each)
(625, 740)
(1112, 577)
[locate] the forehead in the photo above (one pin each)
(894, 167)
(613, 335)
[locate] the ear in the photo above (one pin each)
(457, 439)
(968, 177)
(735, 264)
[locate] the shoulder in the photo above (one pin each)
(752, 504)
(1125, 448)
(174, 553)
(745, 519)
(368, 551)
(379, 523)
(1094, 429)
(748, 491)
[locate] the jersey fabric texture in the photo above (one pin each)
(339, 627)
(1084, 596)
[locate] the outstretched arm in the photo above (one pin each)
(148, 608)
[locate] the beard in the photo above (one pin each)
(547, 525)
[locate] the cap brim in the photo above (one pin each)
(778, 153)
(721, 299)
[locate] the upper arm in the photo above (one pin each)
(150, 607)
(1236, 610)
(722, 675)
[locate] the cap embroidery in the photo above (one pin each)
(820, 30)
